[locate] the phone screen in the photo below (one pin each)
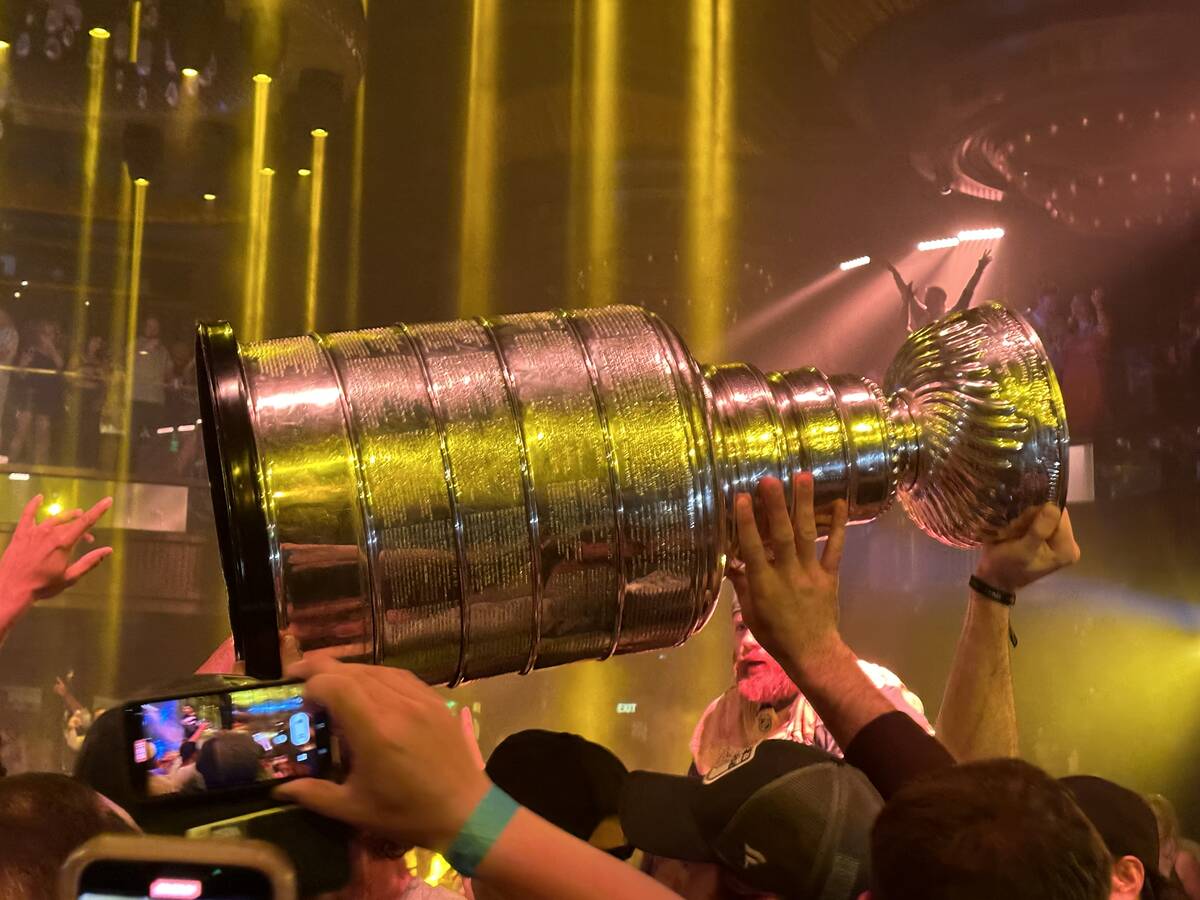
(123, 879)
(229, 740)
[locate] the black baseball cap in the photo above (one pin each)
(1125, 821)
(783, 817)
(566, 779)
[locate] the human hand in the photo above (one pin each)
(789, 597)
(985, 259)
(1037, 543)
(412, 774)
(37, 564)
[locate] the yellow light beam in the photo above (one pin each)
(262, 98)
(605, 126)
(577, 220)
(262, 253)
(354, 256)
(312, 282)
(477, 236)
(135, 30)
(110, 654)
(117, 323)
(97, 52)
(710, 176)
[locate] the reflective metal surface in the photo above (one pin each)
(466, 499)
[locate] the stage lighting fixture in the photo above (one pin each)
(981, 234)
(939, 244)
(304, 173)
(100, 33)
(189, 72)
(54, 508)
(209, 198)
(24, 283)
(4, 45)
(856, 263)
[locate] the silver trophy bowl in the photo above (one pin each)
(466, 499)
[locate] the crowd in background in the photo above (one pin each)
(47, 391)
(1110, 384)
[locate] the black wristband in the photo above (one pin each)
(983, 589)
(1004, 598)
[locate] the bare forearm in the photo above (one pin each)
(978, 717)
(841, 693)
(534, 860)
(13, 603)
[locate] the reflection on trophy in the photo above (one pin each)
(466, 499)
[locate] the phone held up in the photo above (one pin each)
(241, 740)
(113, 867)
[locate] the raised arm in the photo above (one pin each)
(908, 298)
(978, 719)
(968, 293)
(38, 561)
(789, 600)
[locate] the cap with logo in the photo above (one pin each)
(783, 817)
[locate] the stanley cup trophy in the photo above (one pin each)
(466, 499)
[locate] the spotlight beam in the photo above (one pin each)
(479, 197)
(312, 282)
(97, 51)
(262, 253)
(354, 257)
(252, 315)
(710, 173)
(110, 645)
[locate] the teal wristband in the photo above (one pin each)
(481, 831)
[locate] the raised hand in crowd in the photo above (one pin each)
(789, 599)
(978, 718)
(414, 779)
(39, 561)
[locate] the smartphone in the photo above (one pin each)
(242, 739)
(120, 867)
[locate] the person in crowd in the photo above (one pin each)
(917, 314)
(229, 759)
(39, 562)
(40, 397)
(1127, 825)
(566, 779)
(92, 369)
(1187, 349)
(10, 341)
(1178, 857)
(1083, 359)
(782, 820)
(44, 817)
(151, 373)
(990, 830)
(938, 813)
(77, 719)
(185, 777)
(1048, 320)
(764, 703)
(414, 779)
